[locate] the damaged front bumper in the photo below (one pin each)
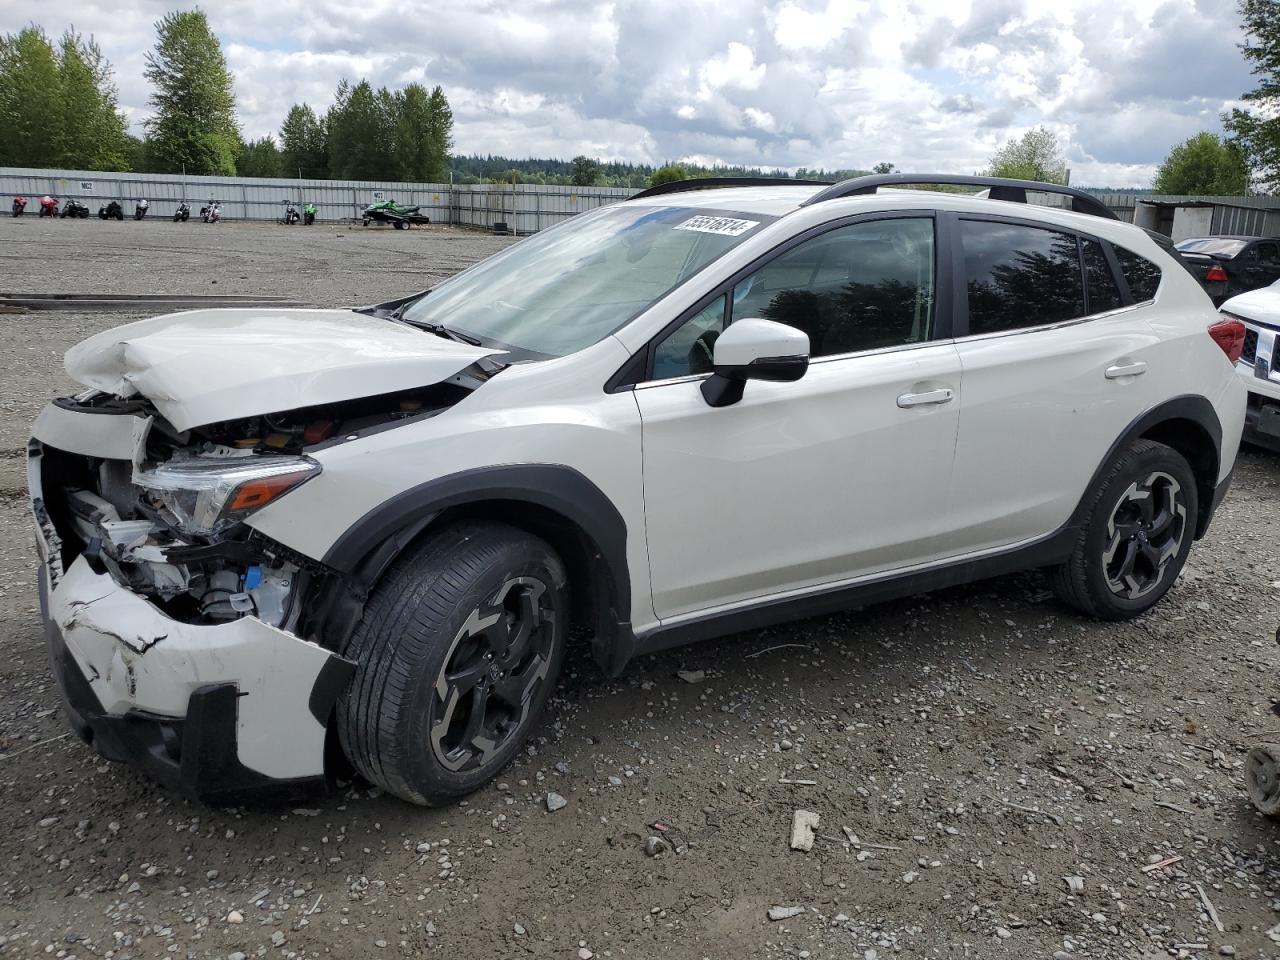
(217, 711)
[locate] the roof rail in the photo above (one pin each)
(711, 183)
(1000, 188)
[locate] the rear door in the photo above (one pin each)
(1053, 350)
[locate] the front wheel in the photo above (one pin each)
(456, 656)
(1136, 535)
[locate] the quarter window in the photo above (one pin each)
(688, 349)
(1142, 276)
(1103, 293)
(1019, 276)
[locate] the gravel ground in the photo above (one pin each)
(967, 751)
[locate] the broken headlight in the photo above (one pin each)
(205, 496)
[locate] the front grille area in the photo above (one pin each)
(1250, 352)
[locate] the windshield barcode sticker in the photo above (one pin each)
(725, 226)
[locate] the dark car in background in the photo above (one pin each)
(1227, 266)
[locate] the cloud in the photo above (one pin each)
(930, 85)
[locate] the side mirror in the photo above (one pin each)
(754, 349)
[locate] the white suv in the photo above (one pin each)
(1259, 365)
(272, 539)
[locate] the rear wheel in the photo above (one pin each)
(457, 654)
(1262, 778)
(1136, 536)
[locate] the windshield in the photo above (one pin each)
(1212, 246)
(569, 287)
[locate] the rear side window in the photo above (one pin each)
(1142, 276)
(1104, 295)
(1019, 276)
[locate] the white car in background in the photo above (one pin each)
(277, 540)
(1259, 364)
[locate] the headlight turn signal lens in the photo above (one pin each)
(207, 495)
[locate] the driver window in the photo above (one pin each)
(861, 287)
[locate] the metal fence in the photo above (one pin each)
(525, 208)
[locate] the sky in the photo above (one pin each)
(928, 85)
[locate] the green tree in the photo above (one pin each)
(668, 173)
(586, 172)
(260, 158)
(413, 147)
(135, 154)
(304, 144)
(93, 134)
(1033, 156)
(1257, 127)
(440, 136)
(883, 167)
(194, 126)
(30, 100)
(1204, 164)
(361, 126)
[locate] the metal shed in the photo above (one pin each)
(1207, 217)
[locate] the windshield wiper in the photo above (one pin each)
(440, 330)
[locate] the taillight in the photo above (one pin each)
(1215, 274)
(1229, 335)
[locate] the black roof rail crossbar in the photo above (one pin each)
(999, 188)
(711, 183)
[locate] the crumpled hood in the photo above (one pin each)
(210, 365)
(1262, 305)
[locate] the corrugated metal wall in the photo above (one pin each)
(525, 208)
(1249, 216)
(1246, 221)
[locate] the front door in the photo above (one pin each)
(839, 475)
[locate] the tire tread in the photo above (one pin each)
(401, 628)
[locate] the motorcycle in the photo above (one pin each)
(183, 213)
(212, 211)
(290, 214)
(308, 214)
(140, 209)
(112, 211)
(19, 205)
(74, 208)
(48, 206)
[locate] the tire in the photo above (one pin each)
(1262, 778)
(435, 641)
(1140, 521)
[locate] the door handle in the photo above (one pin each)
(1132, 369)
(942, 395)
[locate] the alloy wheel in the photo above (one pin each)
(1144, 535)
(1262, 777)
(491, 675)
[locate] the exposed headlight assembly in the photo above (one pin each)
(205, 496)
